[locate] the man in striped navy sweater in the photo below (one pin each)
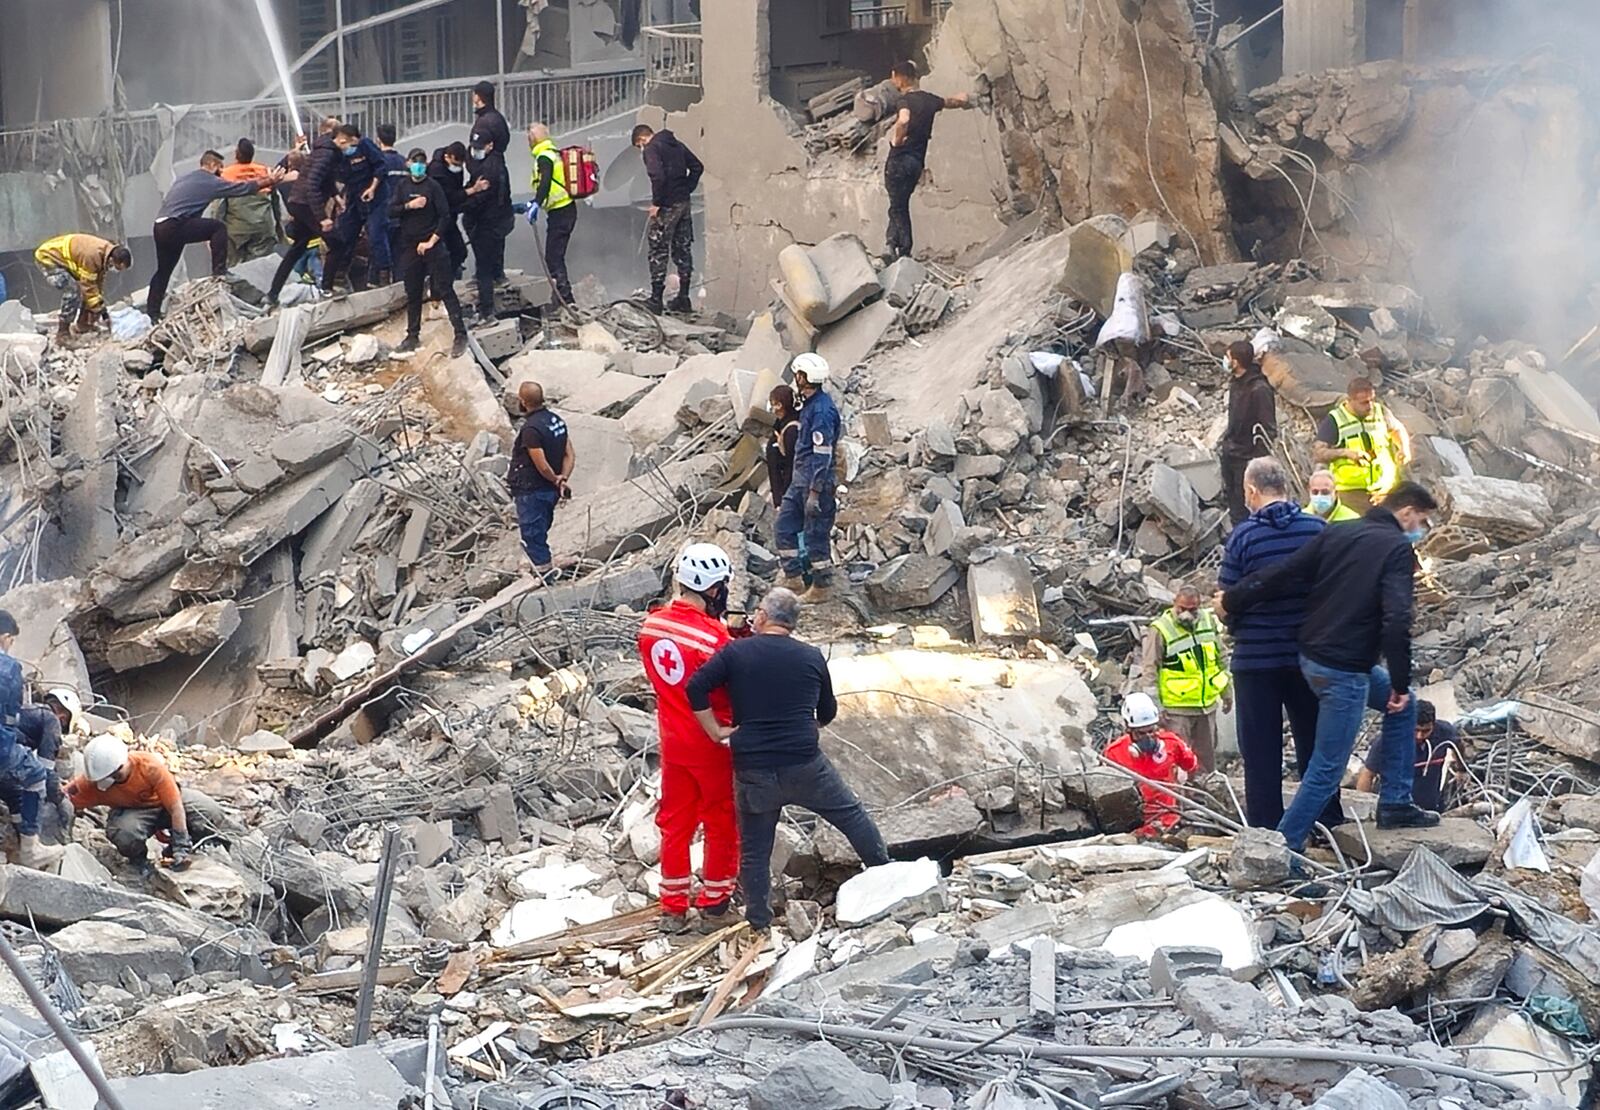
(1266, 658)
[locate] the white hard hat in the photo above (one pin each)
(103, 758)
(703, 565)
(67, 699)
(1139, 711)
(813, 366)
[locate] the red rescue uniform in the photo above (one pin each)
(1171, 755)
(696, 771)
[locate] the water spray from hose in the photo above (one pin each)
(269, 24)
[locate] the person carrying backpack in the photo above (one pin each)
(552, 196)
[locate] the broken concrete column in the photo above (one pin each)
(1000, 593)
(89, 434)
(830, 280)
(283, 360)
(102, 951)
(308, 447)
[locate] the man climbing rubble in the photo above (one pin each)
(1363, 445)
(180, 222)
(1358, 581)
(541, 466)
(809, 505)
(315, 187)
(422, 213)
(696, 769)
(1323, 500)
(1150, 751)
(674, 173)
(781, 692)
(144, 800)
(23, 778)
(908, 149)
(76, 266)
(1183, 660)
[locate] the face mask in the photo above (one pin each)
(1147, 745)
(459, 170)
(349, 152)
(1416, 535)
(1187, 618)
(717, 600)
(418, 171)
(478, 155)
(1322, 503)
(1227, 367)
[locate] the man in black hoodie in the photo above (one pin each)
(489, 126)
(449, 169)
(489, 220)
(1252, 423)
(417, 203)
(674, 172)
(316, 185)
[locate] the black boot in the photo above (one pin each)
(1406, 817)
(681, 302)
(409, 343)
(459, 347)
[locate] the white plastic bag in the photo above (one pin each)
(129, 324)
(1128, 319)
(1589, 885)
(1521, 839)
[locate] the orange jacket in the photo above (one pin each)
(149, 786)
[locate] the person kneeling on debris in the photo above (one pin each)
(76, 266)
(144, 799)
(809, 505)
(1153, 753)
(418, 204)
(781, 692)
(1183, 659)
(39, 729)
(22, 775)
(1438, 755)
(696, 769)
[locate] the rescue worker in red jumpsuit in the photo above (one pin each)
(696, 771)
(1151, 751)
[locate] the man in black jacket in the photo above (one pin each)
(781, 692)
(1357, 579)
(674, 173)
(1252, 423)
(314, 188)
(489, 220)
(489, 127)
(449, 169)
(418, 204)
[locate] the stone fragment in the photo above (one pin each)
(199, 628)
(927, 308)
(926, 828)
(1508, 511)
(830, 280)
(1002, 599)
(363, 349)
(1259, 859)
(96, 951)
(875, 428)
(943, 525)
(461, 920)
(904, 890)
(1360, 1091)
(801, 919)
(1094, 263)
(594, 336)
(940, 440)
(912, 581)
(847, 344)
(264, 741)
(1171, 964)
(348, 1077)
(1554, 398)
(257, 473)
(1458, 841)
(900, 280)
(1168, 495)
(1453, 946)
(135, 646)
(978, 466)
(308, 447)
(1219, 1004)
(819, 1076)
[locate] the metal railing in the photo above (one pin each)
(672, 55)
(878, 16)
(566, 103)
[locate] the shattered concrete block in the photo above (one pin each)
(1095, 262)
(199, 628)
(299, 875)
(830, 280)
(626, 517)
(1555, 399)
(911, 581)
(461, 920)
(1016, 374)
(288, 510)
(1171, 964)
(1511, 512)
(497, 820)
(308, 447)
(254, 474)
(819, 1076)
(1002, 600)
(940, 440)
(943, 525)
(1112, 799)
(926, 828)
(100, 951)
(1308, 322)
(978, 466)
(900, 280)
(594, 336)
(1259, 859)
(55, 900)
(135, 646)
(902, 890)
(88, 508)
(331, 317)
(847, 344)
(345, 1077)
(927, 309)
(875, 428)
(654, 417)
(264, 742)
(1458, 841)
(1361, 1091)
(1451, 947)
(1168, 495)
(206, 885)
(1220, 1004)
(330, 539)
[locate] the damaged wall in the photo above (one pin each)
(1067, 130)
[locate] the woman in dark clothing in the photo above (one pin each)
(780, 449)
(1252, 423)
(418, 206)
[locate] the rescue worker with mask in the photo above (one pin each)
(23, 777)
(550, 196)
(696, 769)
(144, 800)
(449, 169)
(1183, 660)
(1152, 752)
(489, 219)
(76, 266)
(1324, 499)
(419, 206)
(1364, 447)
(809, 505)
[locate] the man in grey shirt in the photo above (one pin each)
(180, 222)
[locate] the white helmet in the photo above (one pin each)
(703, 565)
(103, 758)
(1139, 711)
(68, 700)
(813, 366)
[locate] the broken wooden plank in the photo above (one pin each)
(457, 970)
(331, 982)
(719, 998)
(688, 958)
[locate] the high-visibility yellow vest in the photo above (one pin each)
(559, 197)
(1370, 435)
(1341, 513)
(1190, 675)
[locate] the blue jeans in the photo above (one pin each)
(814, 522)
(535, 511)
(760, 793)
(1342, 698)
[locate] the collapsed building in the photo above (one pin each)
(264, 545)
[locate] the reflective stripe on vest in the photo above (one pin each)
(58, 252)
(558, 197)
(1191, 674)
(1370, 436)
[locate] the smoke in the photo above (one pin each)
(193, 52)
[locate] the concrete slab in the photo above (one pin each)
(1458, 841)
(830, 280)
(1556, 399)
(1503, 510)
(912, 581)
(654, 416)
(45, 643)
(605, 451)
(89, 433)
(321, 1081)
(848, 343)
(1003, 603)
(626, 517)
(1095, 261)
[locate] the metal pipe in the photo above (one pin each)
(1270, 15)
(500, 47)
(338, 29)
(1042, 1050)
(433, 1061)
(378, 917)
(58, 1026)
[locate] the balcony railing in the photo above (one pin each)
(566, 103)
(672, 55)
(878, 16)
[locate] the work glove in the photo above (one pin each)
(182, 851)
(533, 214)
